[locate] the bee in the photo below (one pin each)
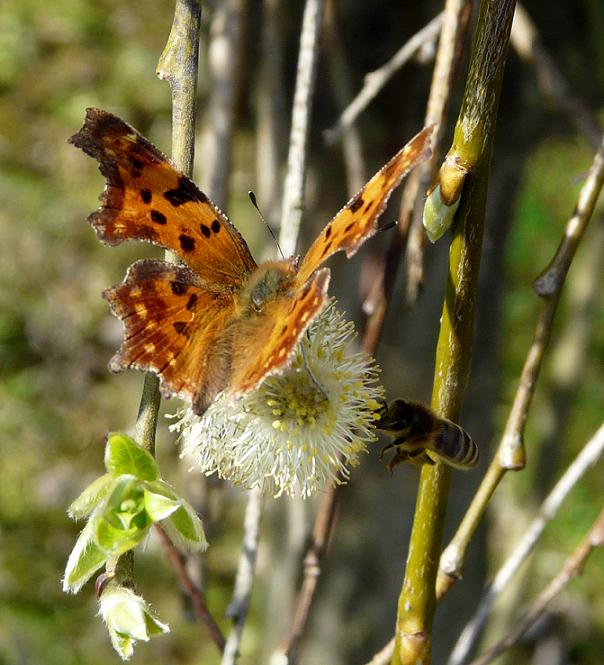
(420, 434)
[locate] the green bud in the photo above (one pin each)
(128, 618)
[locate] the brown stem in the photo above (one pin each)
(312, 567)
(195, 594)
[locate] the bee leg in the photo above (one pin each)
(385, 448)
(400, 457)
(419, 458)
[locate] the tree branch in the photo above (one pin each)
(572, 568)
(588, 456)
(293, 194)
(196, 595)
(237, 609)
(511, 452)
(472, 148)
(376, 80)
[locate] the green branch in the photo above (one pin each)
(178, 66)
(471, 152)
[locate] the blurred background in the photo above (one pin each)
(57, 399)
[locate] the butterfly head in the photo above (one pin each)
(269, 281)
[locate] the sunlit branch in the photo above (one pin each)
(292, 207)
(589, 455)
(572, 568)
(237, 609)
(293, 193)
(511, 452)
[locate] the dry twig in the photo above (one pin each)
(293, 193)
(376, 80)
(237, 609)
(572, 568)
(195, 594)
(589, 455)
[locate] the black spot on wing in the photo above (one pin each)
(146, 196)
(205, 230)
(356, 203)
(326, 248)
(184, 193)
(181, 327)
(158, 217)
(215, 226)
(187, 243)
(192, 300)
(136, 165)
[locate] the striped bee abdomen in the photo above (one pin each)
(455, 446)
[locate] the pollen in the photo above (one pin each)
(299, 430)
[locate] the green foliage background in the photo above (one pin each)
(56, 398)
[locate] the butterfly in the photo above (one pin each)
(218, 321)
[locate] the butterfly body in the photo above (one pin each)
(220, 321)
(268, 281)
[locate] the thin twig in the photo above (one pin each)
(293, 194)
(339, 73)
(224, 69)
(313, 562)
(448, 58)
(237, 609)
(195, 594)
(511, 452)
(588, 456)
(572, 568)
(376, 304)
(551, 80)
(376, 80)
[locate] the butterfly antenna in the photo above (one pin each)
(273, 236)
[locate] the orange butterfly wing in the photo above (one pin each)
(172, 326)
(268, 341)
(357, 221)
(147, 198)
